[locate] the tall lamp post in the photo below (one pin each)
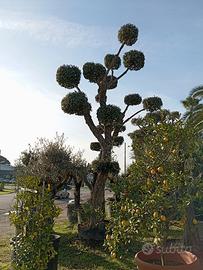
(125, 161)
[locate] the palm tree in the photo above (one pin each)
(194, 108)
(194, 117)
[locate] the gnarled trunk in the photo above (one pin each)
(77, 193)
(98, 191)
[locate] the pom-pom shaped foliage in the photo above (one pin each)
(112, 82)
(68, 76)
(93, 72)
(95, 146)
(120, 127)
(75, 103)
(118, 141)
(134, 60)
(107, 167)
(109, 114)
(112, 61)
(134, 99)
(128, 34)
(152, 104)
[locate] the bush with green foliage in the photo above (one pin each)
(158, 182)
(33, 217)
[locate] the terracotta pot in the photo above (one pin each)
(187, 260)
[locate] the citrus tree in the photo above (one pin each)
(33, 216)
(154, 194)
(111, 119)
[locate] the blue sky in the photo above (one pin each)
(38, 36)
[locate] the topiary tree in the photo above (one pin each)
(111, 119)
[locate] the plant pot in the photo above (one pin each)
(176, 261)
(92, 234)
(53, 263)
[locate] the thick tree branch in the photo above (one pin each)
(107, 134)
(123, 74)
(93, 128)
(133, 115)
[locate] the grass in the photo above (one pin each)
(6, 191)
(73, 255)
(5, 253)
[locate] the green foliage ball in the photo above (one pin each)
(93, 72)
(134, 99)
(118, 141)
(95, 146)
(112, 61)
(109, 115)
(152, 104)
(134, 60)
(112, 82)
(128, 34)
(107, 167)
(68, 76)
(75, 103)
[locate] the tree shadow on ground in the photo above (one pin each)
(74, 255)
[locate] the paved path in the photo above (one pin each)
(5, 202)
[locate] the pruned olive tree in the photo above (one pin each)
(55, 163)
(111, 120)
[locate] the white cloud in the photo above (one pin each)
(58, 31)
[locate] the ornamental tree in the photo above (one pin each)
(158, 182)
(111, 119)
(55, 163)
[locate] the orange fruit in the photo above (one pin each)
(163, 218)
(124, 223)
(152, 171)
(160, 169)
(165, 139)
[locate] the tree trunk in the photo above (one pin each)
(77, 193)
(98, 191)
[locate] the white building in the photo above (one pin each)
(6, 170)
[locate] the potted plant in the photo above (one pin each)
(153, 196)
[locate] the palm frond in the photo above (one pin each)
(197, 92)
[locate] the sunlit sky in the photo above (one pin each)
(37, 36)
